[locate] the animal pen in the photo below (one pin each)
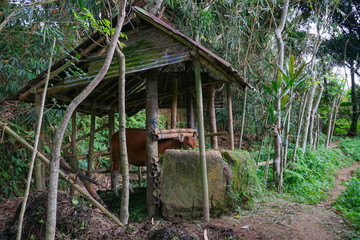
(164, 69)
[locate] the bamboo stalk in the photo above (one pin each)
(204, 182)
(178, 130)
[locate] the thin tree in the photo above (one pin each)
(54, 167)
(277, 126)
(34, 153)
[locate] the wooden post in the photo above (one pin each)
(139, 176)
(190, 110)
(39, 178)
(211, 110)
(174, 102)
(204, 183)
(151, 144)
(111, 133)
(92, 139)
(230, 115)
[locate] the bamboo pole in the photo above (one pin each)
(230, 116)
(63, 175)
(39, 178)
(178, 130)
(204, 182)
(33, 157)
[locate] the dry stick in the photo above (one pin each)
(33, 157)
(62, 174)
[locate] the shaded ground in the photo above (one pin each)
(277, 219)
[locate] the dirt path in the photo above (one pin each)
(286, 220)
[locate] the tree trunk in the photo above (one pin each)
(243, 118)
(313, 112)
(124, 210)
(300, 123)
(328, 138)
(54, 168)
(277, 127)
(355, 111)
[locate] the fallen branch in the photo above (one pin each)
(62, 174)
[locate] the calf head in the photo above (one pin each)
(188, 142)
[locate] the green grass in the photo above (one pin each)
(310, 179)
(349, 201)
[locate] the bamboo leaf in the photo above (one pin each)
(283, 101)
(291, 66)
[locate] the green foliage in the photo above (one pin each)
(13, 162)
(350, 147)
(349, 201)
(310, 178)
(245, 185)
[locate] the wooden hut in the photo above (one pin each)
(154, 51)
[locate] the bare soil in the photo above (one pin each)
(277, 219)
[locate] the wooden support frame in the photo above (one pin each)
(92, 139)
(211, 110)
(230, 116)
(189, 109)
(174, 101)
(204, 183)
(151, 144)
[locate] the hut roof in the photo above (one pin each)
(150, 43)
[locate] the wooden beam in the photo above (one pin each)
(111, 133)
(230, 116)
(200, 110)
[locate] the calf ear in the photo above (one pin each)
(195, 135)
(181, 138)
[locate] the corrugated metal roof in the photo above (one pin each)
(151, 44)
